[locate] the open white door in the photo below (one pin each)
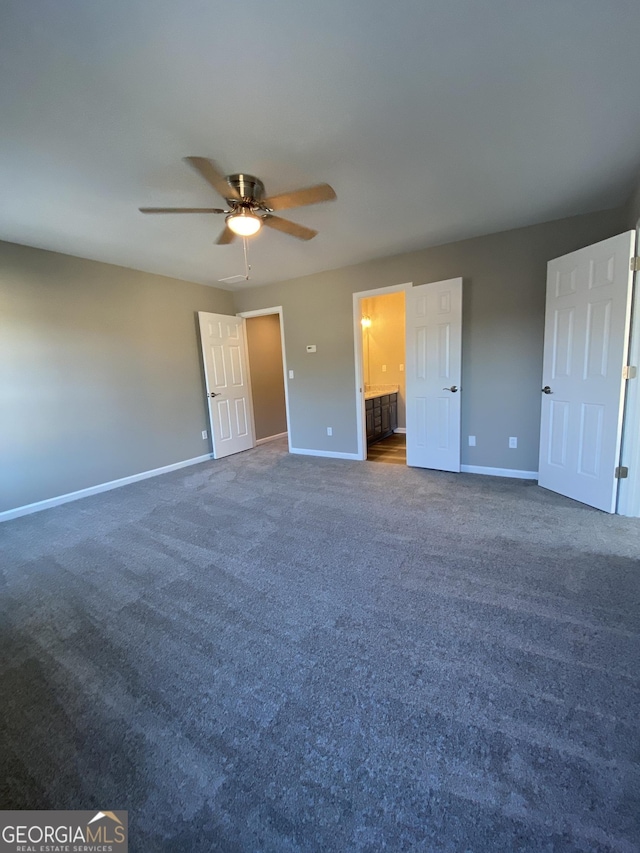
(228, 392)
(434, 356)
(586, 342)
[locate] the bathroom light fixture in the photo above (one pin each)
(244, 222)
(366, 321)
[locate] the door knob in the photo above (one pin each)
(453, 389)
(547, 390)
(214, 394)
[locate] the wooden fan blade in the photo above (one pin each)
(288, 227)
(300, 198)
(212, 175)
(227, 236)
(182, 210)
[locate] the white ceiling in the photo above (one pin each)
(434, 120)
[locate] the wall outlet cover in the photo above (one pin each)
(204, 433)
(311, 347)
(472, 441)
(513, 442)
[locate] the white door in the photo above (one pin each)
(585, 349)
(434, 355)
(228, 392)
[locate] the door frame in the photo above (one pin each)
(261, 312)
(361, 423)
(628, 503)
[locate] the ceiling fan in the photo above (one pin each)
(249, 209)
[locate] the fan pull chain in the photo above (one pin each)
(247, 265)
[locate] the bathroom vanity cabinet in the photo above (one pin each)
(382, 416)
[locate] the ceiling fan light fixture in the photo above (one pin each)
(244, 223)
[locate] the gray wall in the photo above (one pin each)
(633, 208)
(267, 379)
(503, 321)
(100, 372)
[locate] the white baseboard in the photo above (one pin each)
(329, 453)
(7, 515)
(270, 438)
(401, 430)
(499, 472)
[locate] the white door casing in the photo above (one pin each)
(227, 381)
(586, 343)
(433, 371)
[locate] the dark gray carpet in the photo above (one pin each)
(281, 653)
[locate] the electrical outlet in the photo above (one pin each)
(513, 442)
(329, 430)
(204, 433)
(401, 368)
(384, 368)
(291, 374)
(472, 441)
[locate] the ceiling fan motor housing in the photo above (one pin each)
(248, 187)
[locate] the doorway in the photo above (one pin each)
(363, 337)
(383, 360)
(432, 379)
(379, 342)
(267, 369)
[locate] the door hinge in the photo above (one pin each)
(621, 472)
(629, 372)
(634, 264)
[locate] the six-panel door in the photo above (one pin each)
(434, 353)
(228, 393)
(585, 347)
